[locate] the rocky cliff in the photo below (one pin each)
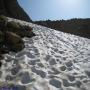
(12, 9)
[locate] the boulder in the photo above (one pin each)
(13, 42)
(13, 25)
(26, 31)
(23, 31)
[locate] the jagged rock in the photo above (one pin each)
(13, 41)
(12, 9)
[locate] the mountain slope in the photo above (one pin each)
(11, 8)
(51, 60)
(80, 27)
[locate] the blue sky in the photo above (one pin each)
(56, 9)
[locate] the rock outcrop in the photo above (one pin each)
(11, 34)
(13, 41)
(12, 9)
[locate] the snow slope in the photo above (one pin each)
(51, 60)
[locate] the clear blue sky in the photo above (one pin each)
(56, 9)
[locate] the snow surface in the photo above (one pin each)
(51, 60)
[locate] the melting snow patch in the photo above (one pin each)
(51, 60)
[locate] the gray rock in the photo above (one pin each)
(55, 83)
